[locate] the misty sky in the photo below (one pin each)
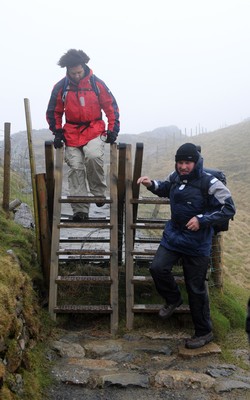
(167, 62)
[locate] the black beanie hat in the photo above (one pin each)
(187, 152)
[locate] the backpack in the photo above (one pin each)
(92, 80)
(204, 186)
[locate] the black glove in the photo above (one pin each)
(59, 138)
(111, 137)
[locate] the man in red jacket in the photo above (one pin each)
(80, 97)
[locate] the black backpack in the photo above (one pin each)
(204, 188)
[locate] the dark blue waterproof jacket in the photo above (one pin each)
(187, 200)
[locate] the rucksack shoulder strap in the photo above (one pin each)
(65, 88)
(94, 85)
(92, 80)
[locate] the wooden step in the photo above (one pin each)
(93, 252)
(151, 220)
(93, 280)
(149, 279)
(92, 220)
(84, 239)
(84, 199)
(151, 225)
(80, 309)
(151, 200)
(86, 224)
(155, 308)
(146, 252)
(148, 240)
(83, 257)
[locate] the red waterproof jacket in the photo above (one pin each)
(82, 104)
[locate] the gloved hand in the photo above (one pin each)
(111, 137)
(59, 138)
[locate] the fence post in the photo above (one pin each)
(33, 177)
(45, 232)
(49, 161)
(217, 260)
(6, 173)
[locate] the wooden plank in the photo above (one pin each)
(55, 232)
(142, 225)
(84, 239)
(85, 258)
(136, 175)
(90, 220)
(81, 309)
(93, 280)
(150, 200)
(49, 167)
(121, 197)
(151, 221)
(155, 308)
(45, 232)
(84, 252)
(148, 240)
(87, 224)
(84, 199)
(33, 175)
(146, 252)
(114, 318)
(6, 170)
(217, 260)
(129, 242)
(148, 279)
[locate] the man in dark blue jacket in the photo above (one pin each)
(188, 236)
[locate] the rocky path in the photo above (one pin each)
(152, 365)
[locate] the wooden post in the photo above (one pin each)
(55, 232)
(121, 197)
(6, 172)
(217, 260)
(129, 242)
(45, 233)
(33, 176)
(114, 239)
(136, 175)
(49, 162)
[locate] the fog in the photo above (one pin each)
(181, 62)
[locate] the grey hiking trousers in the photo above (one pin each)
(86, 171)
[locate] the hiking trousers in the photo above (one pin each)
(86, 171)
(195, 272)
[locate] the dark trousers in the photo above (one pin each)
(195, 271)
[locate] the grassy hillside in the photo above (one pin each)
(226, 149)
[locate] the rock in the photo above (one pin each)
(110, 346)
(68, 349)
(230, 384)
(70, 374)
(126, 379)
(183, 379)
(23, 216)
(208, 349)
(91, 364)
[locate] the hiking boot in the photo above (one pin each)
(167, 310)
(198, 341)
(100, 204)
(80, 216)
